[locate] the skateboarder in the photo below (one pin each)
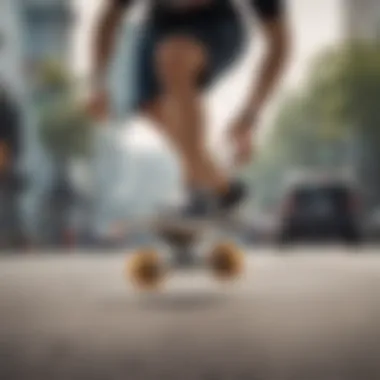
(185, 47)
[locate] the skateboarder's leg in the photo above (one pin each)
(155, 114)
(180, 61)
(175, 68)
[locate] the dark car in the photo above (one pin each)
(372, 227)
(320, 210)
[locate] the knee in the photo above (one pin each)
(179, 62)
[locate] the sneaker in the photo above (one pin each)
(204, 205)
(200, 205)
(232, 199)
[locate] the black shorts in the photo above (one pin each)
(223, 39)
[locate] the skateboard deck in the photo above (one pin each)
(187, 244)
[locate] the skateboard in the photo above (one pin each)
(185, 245)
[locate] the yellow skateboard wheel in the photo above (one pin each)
(145, 269)
(226, 261)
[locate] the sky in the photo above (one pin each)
(315, 24)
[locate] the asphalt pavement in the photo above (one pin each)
(305, 314)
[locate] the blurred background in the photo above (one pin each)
(68, 189)
(66, 183)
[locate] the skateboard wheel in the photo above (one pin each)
(145, 269)
(226, 261)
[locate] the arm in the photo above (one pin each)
(105, 36)
(274, 26)
(104, 41)
(277, 40)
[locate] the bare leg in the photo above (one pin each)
(179, 111)
(154, 112)
(157, 116)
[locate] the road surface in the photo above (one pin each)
(312, 314)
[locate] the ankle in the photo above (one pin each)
(223, 187)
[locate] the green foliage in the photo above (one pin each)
(345, 87)
(341, 98)
(65, 129)
(340, 103)
(54, 76)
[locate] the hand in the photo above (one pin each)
(240, 133)
(98, 105)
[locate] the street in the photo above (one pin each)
(307, 314)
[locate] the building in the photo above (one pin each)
(11, 84)
(10, 49)
(362, 19)
(44, 29)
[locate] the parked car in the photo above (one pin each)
(372, 226)
(320, 209)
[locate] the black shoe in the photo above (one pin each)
(233, 198)
(200, 205)
(205, 205)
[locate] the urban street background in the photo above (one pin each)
(307, 305)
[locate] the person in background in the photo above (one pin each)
(10, 185)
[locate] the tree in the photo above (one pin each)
(66, 133)
(344, 87)
(314, 126)
(333, 122)
(65, 130)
